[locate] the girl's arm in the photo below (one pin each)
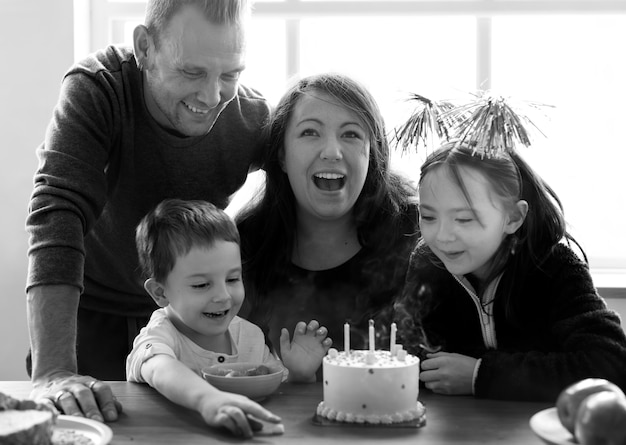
(570, 335)
(182, 386)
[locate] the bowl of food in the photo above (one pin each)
(254, 380)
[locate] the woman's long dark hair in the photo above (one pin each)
(378, 209)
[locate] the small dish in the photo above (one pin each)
(231, 377)
(547, 426)
(74, 429)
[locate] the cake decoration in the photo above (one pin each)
(489, 123)
(374, 387)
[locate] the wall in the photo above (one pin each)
(36, 43)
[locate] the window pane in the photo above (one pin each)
(266, 58)
(575, 63)
(394, 56)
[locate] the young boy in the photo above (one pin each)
(190, 252)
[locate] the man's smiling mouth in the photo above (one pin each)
(194, 109)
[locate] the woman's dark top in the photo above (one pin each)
(362, 288)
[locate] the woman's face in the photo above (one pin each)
(326, 157)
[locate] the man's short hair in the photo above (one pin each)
(220, 12)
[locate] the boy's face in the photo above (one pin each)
(205, 292)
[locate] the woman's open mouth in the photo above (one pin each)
(329, 182)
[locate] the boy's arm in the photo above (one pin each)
(303, 356)
(184, 387)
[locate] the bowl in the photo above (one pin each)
(232, 377)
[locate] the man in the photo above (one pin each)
(168, 120)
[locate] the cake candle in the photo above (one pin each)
(371, 335)
(346, 338)
(392, 342)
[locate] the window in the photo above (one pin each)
(566, 53)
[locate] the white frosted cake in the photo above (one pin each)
(370, 387)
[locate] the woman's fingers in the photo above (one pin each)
(313, 325)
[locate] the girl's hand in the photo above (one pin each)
(303, 356)
(232, 411)
(448, 373)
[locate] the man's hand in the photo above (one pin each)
(303, 356)
(77, 395)
(447, 373)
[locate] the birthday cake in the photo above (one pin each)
(374, 387)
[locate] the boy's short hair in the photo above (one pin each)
(173, 228)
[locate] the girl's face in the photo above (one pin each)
(326, 157)
(464, 236)
(205, 291)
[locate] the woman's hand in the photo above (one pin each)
(78, 395)
(235, 412)
(303, 355)
(448, 373)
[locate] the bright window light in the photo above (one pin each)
(564, 53)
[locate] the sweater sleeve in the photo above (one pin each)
(158, 337)
(69, 184)
(580, 337)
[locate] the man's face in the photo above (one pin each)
(194, 73)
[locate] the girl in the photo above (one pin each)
(497, 287)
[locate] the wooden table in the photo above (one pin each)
(149, 418)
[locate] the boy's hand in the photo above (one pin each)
(233, 412)
(303, 355)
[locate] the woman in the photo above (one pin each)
(331, 235)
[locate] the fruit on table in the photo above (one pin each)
(601, 419)
(256, 370)
(570, 399)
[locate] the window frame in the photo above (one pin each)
(95, 34)
(92, 34)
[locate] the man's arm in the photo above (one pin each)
(51, 312)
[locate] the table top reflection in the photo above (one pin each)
(149, 418)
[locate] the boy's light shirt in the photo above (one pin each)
(161, 337)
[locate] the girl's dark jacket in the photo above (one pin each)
(562, 331)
